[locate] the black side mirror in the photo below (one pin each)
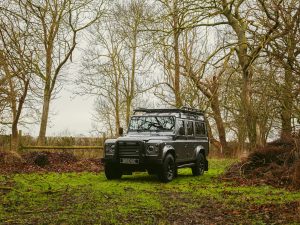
(121, 131)
(181, 131)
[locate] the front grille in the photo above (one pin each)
(129, 148)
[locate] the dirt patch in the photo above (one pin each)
(212, 212)
(276, 164)
(46, 162)
(218, 213)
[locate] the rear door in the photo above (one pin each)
(180, 142)
(191, 143)
(201, 134)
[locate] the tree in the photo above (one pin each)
(130, 20)
(248, 45)
(55, 26)
(194, 68)
(170, 23)
(116, 62)
(103, 69)
(16, 57)
(283, 53)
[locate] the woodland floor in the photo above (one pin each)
(88, 198)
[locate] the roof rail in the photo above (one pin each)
(192, 110)
(170, 110)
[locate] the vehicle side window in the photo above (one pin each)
(200, 129)
(190, 128)
(181, 127)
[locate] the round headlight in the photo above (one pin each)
(110, 149)
(150, 148)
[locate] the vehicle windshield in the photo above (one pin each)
(152, 123)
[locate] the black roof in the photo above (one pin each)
(171, 110)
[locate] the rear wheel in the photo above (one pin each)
(112, 171)
(168, 169)
(199, 168)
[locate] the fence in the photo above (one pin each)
(5, 142)
(83, 147)
(78, 151)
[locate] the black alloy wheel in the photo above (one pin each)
(168, 170)
(112, 171)
(199, 168)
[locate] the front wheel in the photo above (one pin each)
(168, 169)
(112, 171)
(199, 167)
(151, 171)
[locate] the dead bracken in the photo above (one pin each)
(12, 162)
(276, 164)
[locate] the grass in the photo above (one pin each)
(88, 198)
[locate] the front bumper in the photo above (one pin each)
(144, 162)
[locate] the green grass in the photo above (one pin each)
(88, 198)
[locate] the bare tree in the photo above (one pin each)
(116, 62)
(208, 84)
(55, 26)
(103, 69)
(130, 19)
(170, 22)
(238, 16)
(16, 57)
(284, 53)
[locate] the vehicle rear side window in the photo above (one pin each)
(181, 126)
(190, 128)
(200, 129)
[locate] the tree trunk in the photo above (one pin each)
(44, 118)
(176, 32)
(132, 80)
(217, 145)
(287, 96)
(215, 106)
(248, 111)
(287, 104)
(117, 111)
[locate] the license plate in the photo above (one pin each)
(129, 161)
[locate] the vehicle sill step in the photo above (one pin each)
(186, 165)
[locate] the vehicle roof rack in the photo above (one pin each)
(170, 110)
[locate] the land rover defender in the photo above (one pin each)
(159, 141)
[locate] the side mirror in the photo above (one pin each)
(121, 131)
(181, 131)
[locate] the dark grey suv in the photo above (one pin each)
(160, 141)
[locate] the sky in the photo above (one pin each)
(72, 115)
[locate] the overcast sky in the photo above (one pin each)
(70, 115)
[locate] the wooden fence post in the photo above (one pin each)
(10, 142)
(19, 140)
(103, 139)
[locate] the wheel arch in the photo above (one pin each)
(200, 149)
(168, 149)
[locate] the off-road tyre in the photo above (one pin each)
(168, 169)
(112, 171)
(199, 167)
